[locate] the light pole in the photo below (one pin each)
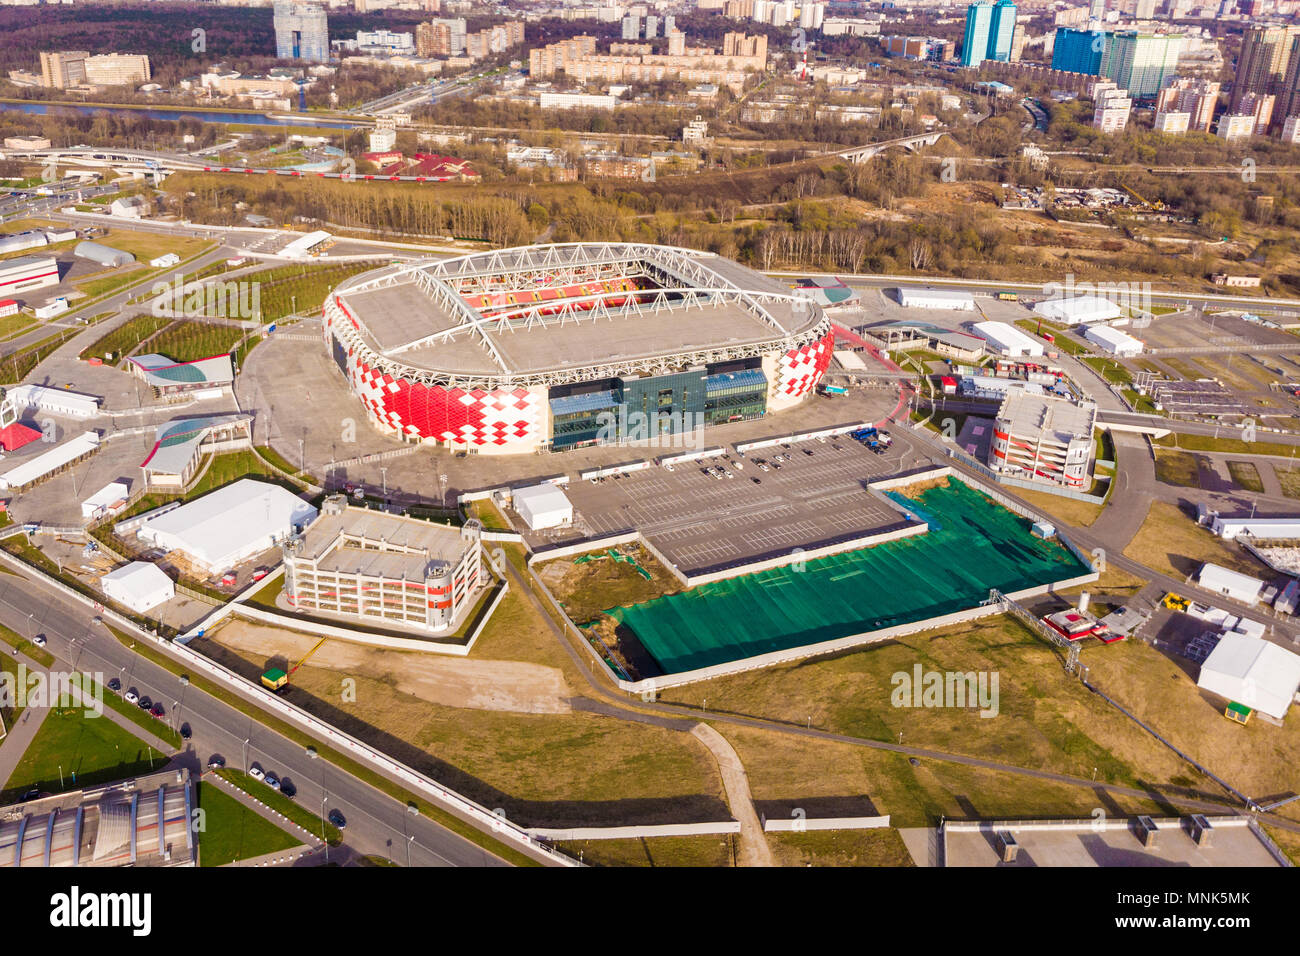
(409, 841)
(323, 797)
(246, 740)
(383, 471)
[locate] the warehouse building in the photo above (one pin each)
(384, 568)
(1079, 309)
(1230, 526)
(1003, 339)
(103, 255)
(56, 401)
(27, 239)
(28, 272)
(1113, 341)
(1038, 438)
(139, 586)
(1221, 580)
(912, 298)
(105, 501)
(1251, 671)
(229, 525)
(53, 462)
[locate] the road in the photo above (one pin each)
(376, 823)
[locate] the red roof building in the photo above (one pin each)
(15, 436)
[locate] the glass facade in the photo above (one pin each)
(1079, 51)
(655, 406)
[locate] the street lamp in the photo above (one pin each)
(323, 797)
(246, 740)
(383, 470)
(409, 841)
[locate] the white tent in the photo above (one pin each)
(543, 506)
(935, 299)
(1241, 587)
(229, 525)
(1253, 672)
(138, 585)
(1077, 309)
(1115, 341)
(1007, 340)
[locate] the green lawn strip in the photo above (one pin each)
(278, 802)
(73, 750)
(1231, 446)
(276, 460)
(11, 711)
(141, 718)
(113, 345)
(1246, 476)
(24, 646)
(232, 831)
(343, 762)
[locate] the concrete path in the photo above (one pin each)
(754, 850)
(19, 739)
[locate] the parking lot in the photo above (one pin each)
(701, 522)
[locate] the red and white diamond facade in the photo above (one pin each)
(466, 352)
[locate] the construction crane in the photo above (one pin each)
(1157, 205)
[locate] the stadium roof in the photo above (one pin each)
(113, 825)
(431, 319)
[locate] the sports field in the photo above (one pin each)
(973, 545)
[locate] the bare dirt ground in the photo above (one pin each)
(512, 686)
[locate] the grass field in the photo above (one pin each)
(301, 287)
(1177, 468)
(1070, 510)
(711, 850)
(147, 245)
(1172, 542)
(834, 776)
(112, 280)
(94, 749)
(232, 831)
(1231, 446)
(1045, 720)
(1289, 479)
(142, 719)
(882, 847)
(1246, 475)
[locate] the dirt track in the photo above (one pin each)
(452, 682)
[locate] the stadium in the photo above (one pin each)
(549, 347)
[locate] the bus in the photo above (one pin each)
(1009, 296)
(834, 390)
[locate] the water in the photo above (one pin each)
(204, 116)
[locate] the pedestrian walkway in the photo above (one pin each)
(754, 850)
(19, 738)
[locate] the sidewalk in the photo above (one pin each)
(754, 850)
(18, 739)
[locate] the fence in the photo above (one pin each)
(456, 804)
(635, 832)
(800, 824)
(802, 436)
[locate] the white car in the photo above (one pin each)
(763, 468)
(738, 466)
(130, 697)
(39, 640)
(668, 467)
(256, 772)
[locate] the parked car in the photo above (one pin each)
(256, 772)
(337, 819)
(115, 684)
(39, 640)
(145, 703)
(272, 781)
(186, 733)
(216, 762)
(130, 697)
(158, 710)
(288, 789)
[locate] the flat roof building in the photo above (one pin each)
(1221, 580)
(383, 568)
(1078, 309)
(229, 525)
(543, 506)
(1113, 341)
(1038, 438)
(912, 298)
(51, 463)
(1004, 339)
(28, 272)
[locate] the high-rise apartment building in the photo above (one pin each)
(1142, 62)
(1002, 31)
(975, 41)
(1196, 97)
(1262, 66)
(62, 70)
(118, 69)
(301, 32)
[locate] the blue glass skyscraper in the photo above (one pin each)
(975, 45)
(1002, 29)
